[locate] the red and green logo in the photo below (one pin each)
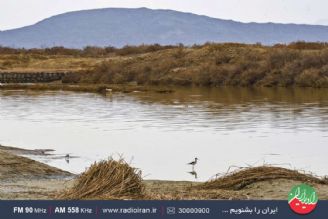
(302, 199)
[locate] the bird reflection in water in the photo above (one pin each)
(193, 164)
(67, 158)
(193, 173)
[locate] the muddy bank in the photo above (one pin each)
(91, 88)
(14, 166)
(24, 178)
(21, 151)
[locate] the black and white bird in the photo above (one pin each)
(67, 158)
(193, 163)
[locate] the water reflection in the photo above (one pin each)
(238, 108)
(193, 164)
(194, 174)
(67, 158)
(224, 126)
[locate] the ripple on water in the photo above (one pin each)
(217, 125)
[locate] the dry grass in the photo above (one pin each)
(108, 179)
(54, 63)
(218, 65)
(239, 179)
(297, 64)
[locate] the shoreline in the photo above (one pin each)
(124, 88)
(24, 178)
(92, 88)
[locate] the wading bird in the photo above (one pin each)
(67, 158)
(193, 163)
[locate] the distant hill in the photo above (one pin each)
(118, 27)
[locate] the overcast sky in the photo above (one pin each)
(18, 13)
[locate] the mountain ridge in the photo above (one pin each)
(134, 26)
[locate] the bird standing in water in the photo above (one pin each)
(67, 158)
(193, 163)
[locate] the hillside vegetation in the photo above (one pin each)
(64, 59)
(297, 64)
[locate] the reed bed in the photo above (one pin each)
(239, 179)
(107, 179)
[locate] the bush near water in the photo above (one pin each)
(243, 177)
(230, 64)
(107, 179)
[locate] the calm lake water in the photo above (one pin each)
(160, 133)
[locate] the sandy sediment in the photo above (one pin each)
(24, 178)
(14, 166)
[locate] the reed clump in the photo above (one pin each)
(241, 178)
(107, 179)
